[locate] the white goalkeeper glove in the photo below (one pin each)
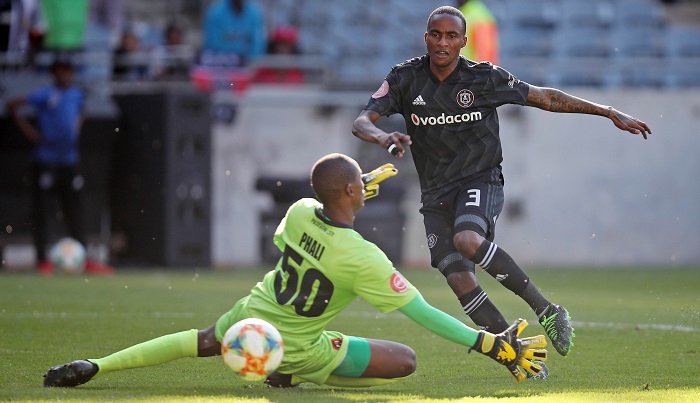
(372, 179)
(507, 349)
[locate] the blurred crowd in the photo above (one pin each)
(231, 36)
(231, 43)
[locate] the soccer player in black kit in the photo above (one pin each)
(449, 105)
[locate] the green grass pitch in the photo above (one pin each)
(637, 338)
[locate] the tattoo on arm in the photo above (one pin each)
(554, 100)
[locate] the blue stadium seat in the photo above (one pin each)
(575, 41)
(576, 75)
(311, 39)
(312, 12)
(638, 41)
(525, 42)
(353, 41)
(639, 13)
(682, 77)
(543, 14)
(358, 72)
(683, 42)
(595, 13)
(637, 75)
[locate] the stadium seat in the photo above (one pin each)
(575, 41)
(354, 72)
(637, 75)
(577, 75)
(542, 14)
(683, 42)
(638, 41)
(525, 42)
(310, 39)
(682, 78)
(637, 13)
(312, 12)
(354, 41)
(592, 13)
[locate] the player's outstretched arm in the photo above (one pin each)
(506, 348)
(365, 129)
(554, 100)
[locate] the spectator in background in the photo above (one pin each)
(108, 15)
(482, 32)
(234, 27)
(17, 19)
(130, 61)
(59, 109)
(283, 41)
(172, 59)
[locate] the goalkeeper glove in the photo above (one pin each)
(372, 179)
(507, 349)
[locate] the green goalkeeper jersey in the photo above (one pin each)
(324, 266)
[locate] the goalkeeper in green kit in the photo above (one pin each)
(324, 266)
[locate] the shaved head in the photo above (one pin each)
(331, 174)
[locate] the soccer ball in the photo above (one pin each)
(252, 348)
(68, 256)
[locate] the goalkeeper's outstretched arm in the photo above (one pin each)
(505, 348)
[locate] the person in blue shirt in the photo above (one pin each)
(59, 115)
(235, 27)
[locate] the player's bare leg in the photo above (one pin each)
(389, 361)
(207, 345)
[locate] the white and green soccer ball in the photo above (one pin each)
(68, 256)
(252, 348)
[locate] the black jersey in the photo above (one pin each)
(453, 123)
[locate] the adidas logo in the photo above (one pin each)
(418, 100)
(501, 277)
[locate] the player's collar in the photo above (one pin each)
(327, 220)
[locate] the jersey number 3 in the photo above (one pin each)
(475, 196)
(305, 304)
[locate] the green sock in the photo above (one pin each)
(153, 352)
(344, 381)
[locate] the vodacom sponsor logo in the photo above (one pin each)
(445, 119)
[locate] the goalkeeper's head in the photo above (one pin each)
(337, 182)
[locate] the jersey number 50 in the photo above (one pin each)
(304, 303)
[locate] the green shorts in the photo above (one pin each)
(314, 364)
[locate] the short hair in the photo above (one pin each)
(331, 174)
(450, 11)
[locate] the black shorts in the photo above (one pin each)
(474, 206)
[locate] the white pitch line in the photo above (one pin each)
(375, 315)
(608, 325)
(613, 325)
(96, 315)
